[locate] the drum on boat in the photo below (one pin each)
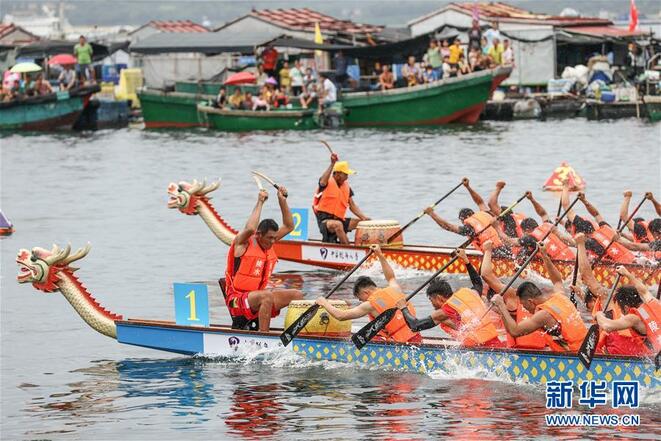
(322, 323)
(378, 231)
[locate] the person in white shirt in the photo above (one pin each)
(296, 75)
(508, 53)
(329, 91)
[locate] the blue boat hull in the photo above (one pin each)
(534, 367)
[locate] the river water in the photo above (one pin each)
(61, 380)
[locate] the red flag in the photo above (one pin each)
(476, 12)
(633, 16)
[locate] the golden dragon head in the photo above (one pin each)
(41, 267)
(184, 195)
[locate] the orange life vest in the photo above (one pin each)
(555, 247)
(250, 272)
(333, 199)
(617, 252)
(572, 328)
(648, 235)
(650, 314)
(518, 218)
(397, 329)
(479, 221)
(534, 340)
(476, 328)
(623, 342)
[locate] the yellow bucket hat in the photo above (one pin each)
(343, 167)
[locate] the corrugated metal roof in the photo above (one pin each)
(305, 19)
(177, 26)
(604, 31)
(8, 28)
(202, 42)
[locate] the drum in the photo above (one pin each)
(378, 231)
(322, 323)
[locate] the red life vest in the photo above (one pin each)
(518, 218)
(572, 328)
(250, 272)
(396, 330)
(624, 342)
(333, 199)
(476, 328)
(479, 221)
(617, 252)
(534, 340)
(650, 314)
(555, 247)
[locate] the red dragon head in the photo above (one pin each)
(185, 196)
(41, 267)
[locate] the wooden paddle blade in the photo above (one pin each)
(657, 361)
(589, 346)
(298, 325)
(369, 331)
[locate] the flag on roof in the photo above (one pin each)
(633, 16)
(554, 182)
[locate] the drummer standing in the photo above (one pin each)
(331, 201)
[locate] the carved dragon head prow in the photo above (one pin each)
(49, 271)
(192, 199)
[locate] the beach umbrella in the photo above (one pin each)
(240, 78)
(62, 59)
(554, 182)
(25, 68)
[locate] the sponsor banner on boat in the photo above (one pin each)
(331, 254)
(227, 345)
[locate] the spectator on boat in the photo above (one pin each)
(552, 312)
(496, 52)
(309, 77)
(285, 79)
(461, 313)
(429, 74)
(250, 263)
(261, 75)
(269, 60)
(41, 86)
(476, 60)
(456, 52)
(221, 98)
(28, 85)
(640, 313)
(236, 99)
(411, 72)
(67, 78)
(463, 65)
(485, 47)
(279, 98)
(375, 300)
(492, 33)
(297, 82)
(341, 64)
(445, 48)
(448, 70)
(508, 53)
(268, 90)
(331, 200)
(247, 101)
(309, 96)
(83, 52)
(475, 36)
(434, 57)
(478, 226)
(386, 79)
(328, 92)
(263, 102)
(534, 340)
(622, 342)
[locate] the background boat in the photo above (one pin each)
(246, 120)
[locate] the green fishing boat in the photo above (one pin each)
(653, 105)
(457, 99)
(247, 120)
(162, 109)
(46, 112)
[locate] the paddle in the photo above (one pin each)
(589, 345)
(574, 278)
(369, 331)
(302, 321)
(267, 179)
(619, 230)
(328, 147)
(422, 213)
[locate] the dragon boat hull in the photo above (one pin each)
(431, 258)
(170, 110)
(534, 367)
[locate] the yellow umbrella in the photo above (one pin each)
(25, 67)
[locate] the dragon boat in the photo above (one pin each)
(193, 199)
(50, 271)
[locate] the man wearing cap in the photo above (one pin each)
(331, 201)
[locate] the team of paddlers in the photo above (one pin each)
(526, 317)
